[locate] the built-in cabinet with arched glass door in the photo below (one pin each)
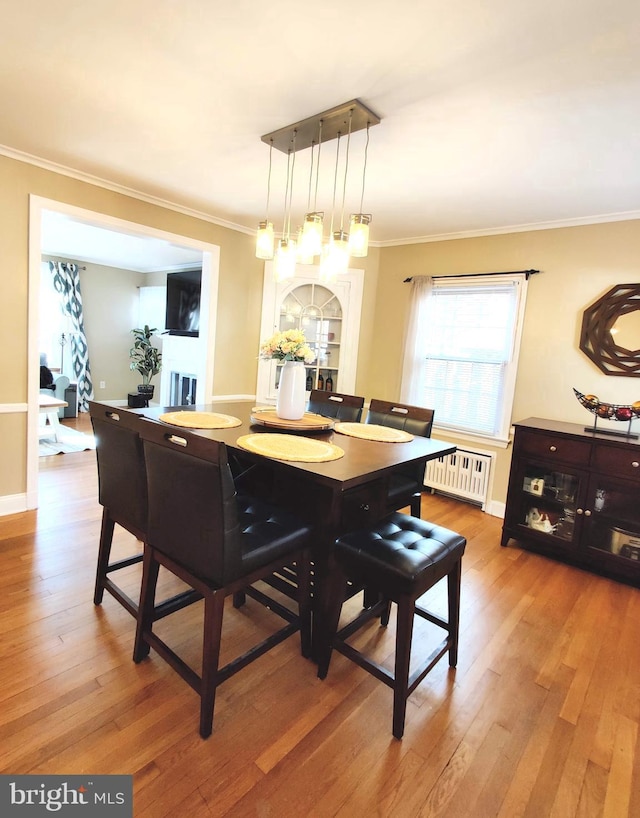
(329, 315)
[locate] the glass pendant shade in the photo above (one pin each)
(312, 234)
(303, 255)
(359, 235)
(264, 240)
(340, 250)
(285, 260)
(328, 271)
(335, 257)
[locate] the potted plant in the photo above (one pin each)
(145, 359)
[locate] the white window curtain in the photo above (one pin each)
(462, 349)
(414, 363)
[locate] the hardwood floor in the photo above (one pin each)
(539, 719)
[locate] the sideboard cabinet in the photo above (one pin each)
(575, 495)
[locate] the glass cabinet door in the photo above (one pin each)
(329, 315)
(548, 503)
(613, 530)
(317, 311)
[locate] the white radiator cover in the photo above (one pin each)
(464, 474)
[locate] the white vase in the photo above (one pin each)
(292, 396)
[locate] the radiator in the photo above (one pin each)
(463, 474)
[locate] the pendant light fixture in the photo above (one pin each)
(317, 130)
(264, 237)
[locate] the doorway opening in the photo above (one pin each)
(151, 240)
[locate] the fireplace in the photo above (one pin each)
(183, 389)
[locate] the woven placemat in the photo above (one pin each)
(290, 447)
(371, 431)
(200, 420)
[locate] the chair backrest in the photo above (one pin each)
(335, 405)
(121, 470)
(413, 419)
(193, 512)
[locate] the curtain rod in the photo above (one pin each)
(527, 273)
(73, 262)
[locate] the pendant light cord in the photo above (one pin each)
(335, 185)
(313, 144)
(364, 168)
(269, 179)
(346, 169)
(315, 196)
(293, 165)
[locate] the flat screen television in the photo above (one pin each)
(183, 303)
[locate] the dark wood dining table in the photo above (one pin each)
(336, 496)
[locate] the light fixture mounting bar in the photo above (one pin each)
(334, 121)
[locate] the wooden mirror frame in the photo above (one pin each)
(596, 340)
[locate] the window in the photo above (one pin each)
(462, 356)
(54, 327)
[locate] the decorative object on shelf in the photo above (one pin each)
(610, 333)
(290, 347)
(601, 499)
(145, 358)
(338, 246)
(539, 521)
(609, 411)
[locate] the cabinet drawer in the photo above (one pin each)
(363, 506)
(617, 462)
(554, 448)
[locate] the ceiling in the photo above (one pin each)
(495, 115)
(63, 235)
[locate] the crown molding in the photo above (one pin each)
(583, 221)
(97, 181)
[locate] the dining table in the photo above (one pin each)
(48, 407)
(335, 497)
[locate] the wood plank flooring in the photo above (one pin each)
(539, 719)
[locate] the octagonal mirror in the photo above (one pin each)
(610, 334)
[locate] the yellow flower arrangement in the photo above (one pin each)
(290, 345)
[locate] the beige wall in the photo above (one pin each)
(577, 266)
(239, 295)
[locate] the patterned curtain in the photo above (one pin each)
(66, 280)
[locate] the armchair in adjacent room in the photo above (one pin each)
(53, 384)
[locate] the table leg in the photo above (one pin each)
(54, 428)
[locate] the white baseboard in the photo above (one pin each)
(13, 504)
(496, 509)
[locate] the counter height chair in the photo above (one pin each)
(218, 543)
(407, 484)
(347, 408)
(122, 492)
(403, 557)
(330, 405)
